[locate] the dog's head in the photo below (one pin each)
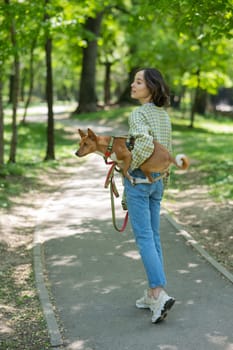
(87, 143)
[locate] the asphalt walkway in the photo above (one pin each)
(89, 276)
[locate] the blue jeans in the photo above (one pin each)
(143, 201)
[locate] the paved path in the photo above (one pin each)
(95, 275)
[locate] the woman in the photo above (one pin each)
(148, 122)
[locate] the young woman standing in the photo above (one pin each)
(149, 122)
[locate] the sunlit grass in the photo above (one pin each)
(210, 148)
(21, 176)
(119, 115)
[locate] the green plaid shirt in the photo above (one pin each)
(147, 123)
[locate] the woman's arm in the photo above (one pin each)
(143, 146)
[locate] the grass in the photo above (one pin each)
(209, 146)
(118, 115)
(21, 176)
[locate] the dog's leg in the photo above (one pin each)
(126, 174)
(149, 177)
(125, 168)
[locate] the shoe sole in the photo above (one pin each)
(167, 306)
(142, 306)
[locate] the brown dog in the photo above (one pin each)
(115, 148)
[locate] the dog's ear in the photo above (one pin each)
(91, 134)
(81, 133)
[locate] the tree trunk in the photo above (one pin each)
(87, 94)
(15, 93)
(201, 101)
(1, 125)
(125, 97)
(50, 153)
(194, 104)
(199, 104)
(14, 137)
(107, 83)
(192, 114)
(31, 78)
(22, 84)
(11, 88)
(176, 97)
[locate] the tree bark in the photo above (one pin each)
(194, 104)
(11, 88)
(15, 94)
(31, 78)
(50, 152)
(201, 101)
(107, 83)
(1, 125)
(125, 97)
(14, 137)
(87, 93)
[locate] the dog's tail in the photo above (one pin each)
(182, 161)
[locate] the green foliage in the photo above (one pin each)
(189, 39)
(179, 37)
(193, 37)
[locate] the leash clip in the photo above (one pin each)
(130, 143)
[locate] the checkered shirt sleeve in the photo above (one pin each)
(148, 123)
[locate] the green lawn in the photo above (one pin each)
(210, 148)
(22, 176)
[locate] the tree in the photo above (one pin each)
(111, 53)
(50, 152)
(31, 71)
(17, 20)
(98, 44)
(92, 27)
(87, 95)
(190, 46)
(13, 37)
(1, 125)
(204, 27)
(4, 52)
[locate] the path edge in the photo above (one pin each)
(191, 241)
(54, 333)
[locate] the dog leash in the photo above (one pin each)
(114, 192)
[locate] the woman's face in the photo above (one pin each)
(139, 90)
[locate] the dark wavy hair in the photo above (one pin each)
(157, 86)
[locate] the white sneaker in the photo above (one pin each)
(159, 306)
(144, 302)
(164, 304)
